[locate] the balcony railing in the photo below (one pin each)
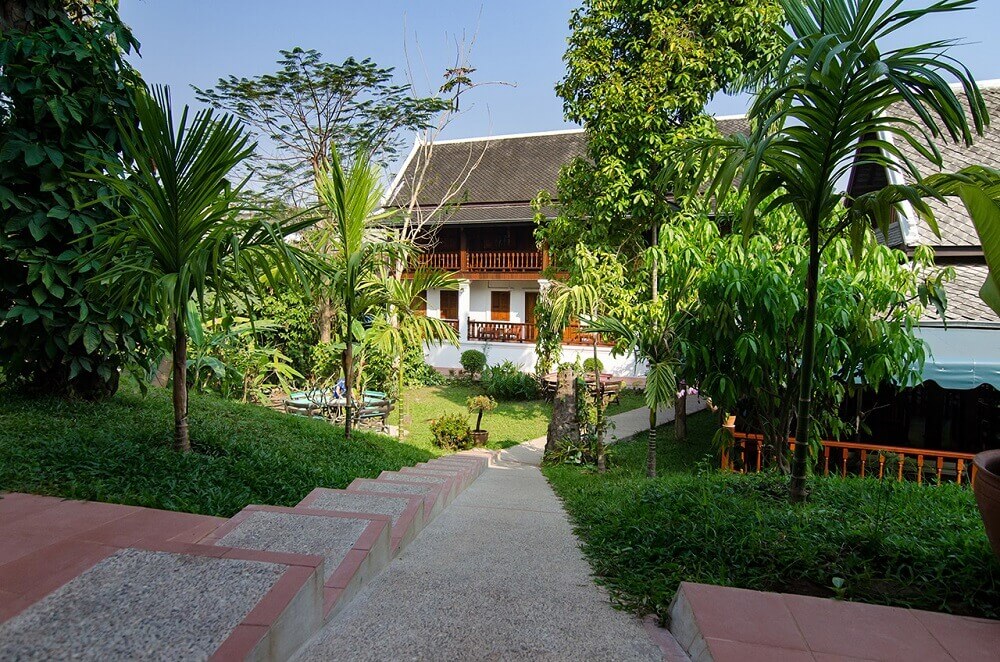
(575, 335)
(504, 261)
(502, 331)
(747, 454)
(483, 261)
(451, 261)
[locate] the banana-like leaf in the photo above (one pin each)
(985, 213)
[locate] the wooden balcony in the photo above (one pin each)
(526, 333)
(747, 454)
(491, 263)
(502, 331)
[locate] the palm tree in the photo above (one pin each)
(828, 106)
(352, 198)
(403, 325)
(183, 233)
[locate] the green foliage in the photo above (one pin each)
(451, 432)
(638, 77)
(580, 453)
(326, 361)
(505, 381)
(591, 365)
(379, 373)
(744, 343)
(807, 128)
(308, 105)
(118, 451)
(294, 332)
(892, 543)
(548, 340)
(478, 404)
(65, 84)
(229, 357)
(473, 361)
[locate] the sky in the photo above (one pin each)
(520, 42)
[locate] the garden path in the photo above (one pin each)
(630, 423)
(498, 575)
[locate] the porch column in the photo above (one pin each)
(464, 305)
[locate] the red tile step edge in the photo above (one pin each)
(369, 554)
(728, 624)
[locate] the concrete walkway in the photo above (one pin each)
(631, 423)
(497, 576)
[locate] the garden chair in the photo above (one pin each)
(374, 414)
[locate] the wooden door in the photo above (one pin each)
(449, 304)
(530, 301)
(500, 306)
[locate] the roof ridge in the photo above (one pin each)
(533, 134)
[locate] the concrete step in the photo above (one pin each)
(465, 474)
(174, 601)
(433, 494)
(406, 511)
(449, 483)
(354, 546)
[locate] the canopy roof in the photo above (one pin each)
(962, 358)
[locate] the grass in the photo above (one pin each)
(119, 451)
(890, 543)
(509, 424)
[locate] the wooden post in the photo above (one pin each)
(463, 252)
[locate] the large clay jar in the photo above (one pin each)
(987, 489)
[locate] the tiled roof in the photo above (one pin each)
(502, 174)
(953, 220)
(964, 304)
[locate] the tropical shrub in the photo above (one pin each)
(473, 361)
(65, 82)
(326, 360)
(294, 331)
(591, 364)
(379, 373)
(451, 431)
(505, 381)
(478, 404)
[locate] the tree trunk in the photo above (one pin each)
(348, 378)
(182, 441)
(680, 413)
(563, 426)
(651, 446)
(798, 489)
(325, 321)
(602, 464)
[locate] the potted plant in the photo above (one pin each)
(987, 489)
(479, 404)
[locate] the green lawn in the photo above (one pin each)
(509, 424)
(891, 543)
(119, 451)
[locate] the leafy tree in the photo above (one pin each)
(181, 233)
(745, 340)
(596, 287)
(638, 77)
(403, 323)
(352, 199)
(653, 330)
(829, 107)
(308, 106)
(64, 84)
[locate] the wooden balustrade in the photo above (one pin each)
(575, 335)
(450, 261)
(452, 323)
(746, 454)
(502, 331)
(482, 261)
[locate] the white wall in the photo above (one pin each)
(523, 354)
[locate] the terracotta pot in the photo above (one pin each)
(480, 437)
(987, 489)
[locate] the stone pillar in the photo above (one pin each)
(464, 306)
(563, 426)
